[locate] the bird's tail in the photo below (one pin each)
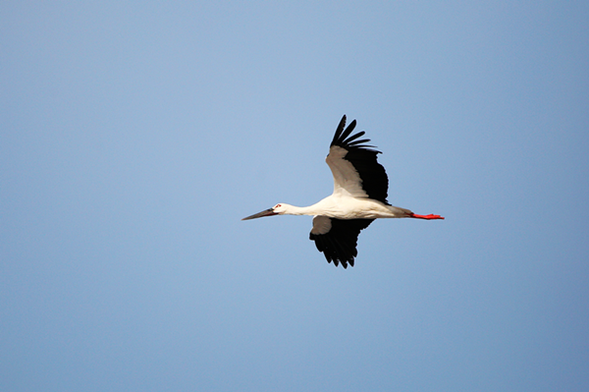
(401, 212)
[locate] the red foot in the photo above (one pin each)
(430, 216)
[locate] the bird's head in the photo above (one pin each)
(278, 209)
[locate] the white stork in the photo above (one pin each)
(360, 186)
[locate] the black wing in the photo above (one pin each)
(364, 159)
(338, 238)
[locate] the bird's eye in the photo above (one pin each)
(278, 205)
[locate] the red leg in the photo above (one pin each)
(430, 216)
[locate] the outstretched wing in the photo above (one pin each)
(337, 238)
(353, 163)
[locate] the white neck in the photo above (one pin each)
(327, 206)
(294, 210)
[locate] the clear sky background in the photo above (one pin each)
(136, 135)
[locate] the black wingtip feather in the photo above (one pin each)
(339, 130)
(348, 130)
(356, 136)
(343, 139)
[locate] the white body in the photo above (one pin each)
(345, 207)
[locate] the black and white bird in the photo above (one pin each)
(360, 186)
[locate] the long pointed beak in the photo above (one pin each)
(268, 212)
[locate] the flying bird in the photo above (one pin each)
(360, 186)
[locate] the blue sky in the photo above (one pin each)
(136, 135)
